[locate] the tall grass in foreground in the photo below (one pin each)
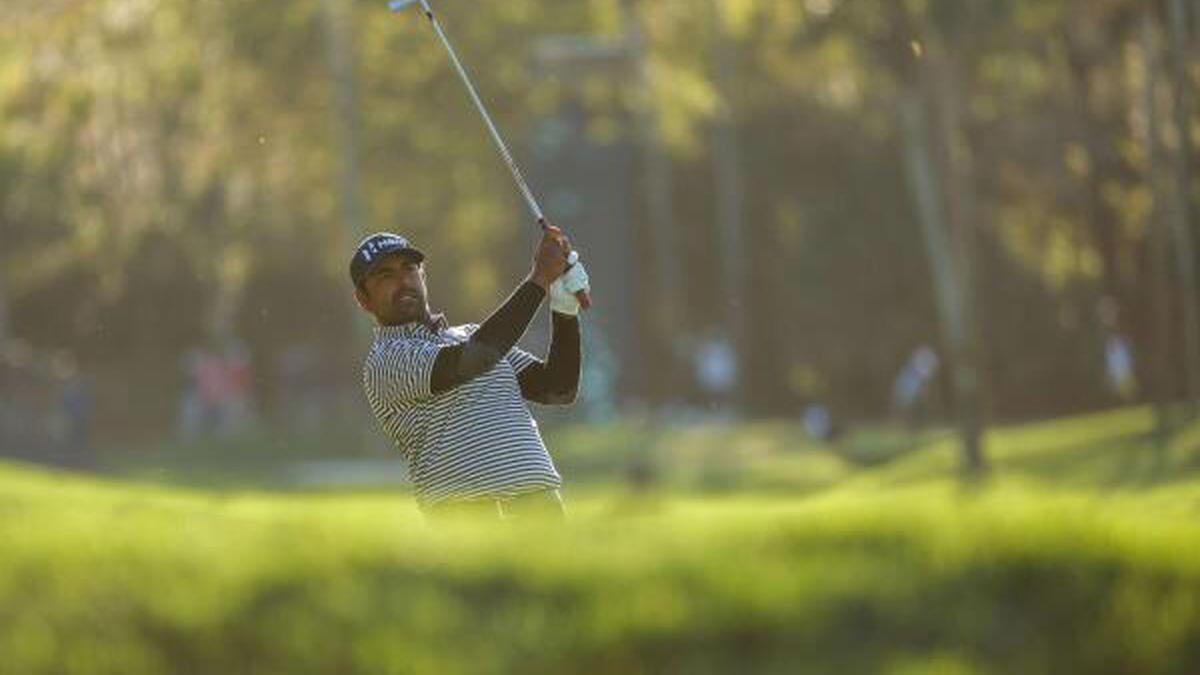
(914, 578)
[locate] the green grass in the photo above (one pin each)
(1082, 555)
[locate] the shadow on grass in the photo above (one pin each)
(1123, 459)
(1133, 460)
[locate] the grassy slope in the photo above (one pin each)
(894, 569)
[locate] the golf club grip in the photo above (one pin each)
(584, 298)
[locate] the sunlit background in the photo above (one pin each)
(908, 281)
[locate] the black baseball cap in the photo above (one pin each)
(376, 247)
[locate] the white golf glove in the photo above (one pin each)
(563, 290)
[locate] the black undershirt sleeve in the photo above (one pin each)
(458, 364)
(556, 381)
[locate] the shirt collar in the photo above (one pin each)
(412, 329)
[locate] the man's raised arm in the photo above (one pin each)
(497, 335)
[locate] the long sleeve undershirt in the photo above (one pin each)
(554, 381)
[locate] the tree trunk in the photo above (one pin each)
(924, 182)
(4, 327)
(947, 88)
(941, 192)
(727, 168)
(667, 311)
(346, 131)
(1160, 280)
(1099, 218)
(1181, 206)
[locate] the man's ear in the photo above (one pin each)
(361, 297)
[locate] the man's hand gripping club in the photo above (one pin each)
(557, 269)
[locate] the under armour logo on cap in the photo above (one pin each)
(376, 246)
(384, 243)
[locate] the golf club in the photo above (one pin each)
(398, 6)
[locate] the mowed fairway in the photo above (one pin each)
(1082, 555)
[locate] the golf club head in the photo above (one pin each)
(401, 5)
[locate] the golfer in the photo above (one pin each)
(453, 398)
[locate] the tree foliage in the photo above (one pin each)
(169, 173)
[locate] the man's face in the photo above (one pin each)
(394, 291)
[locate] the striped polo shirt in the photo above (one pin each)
(477, 440)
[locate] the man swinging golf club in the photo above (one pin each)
(454, 398)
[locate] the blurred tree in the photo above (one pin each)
(729, 199)
(1160, 301)
(178, 163)
(1178, 25)
(925, 56)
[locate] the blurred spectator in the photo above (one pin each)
(819, 423)
(910, 392)
(192, 409)
(303, 395)
(1118, 359)
(45, 408)
(1118, 352)
(77, 407)
(236, 394)
(22, 423)
(217, 395)
(716, 369)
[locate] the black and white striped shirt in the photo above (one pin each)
(477, 440)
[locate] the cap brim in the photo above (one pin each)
(409, 251)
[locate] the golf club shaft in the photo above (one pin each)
(583, 296)
(530, 200)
